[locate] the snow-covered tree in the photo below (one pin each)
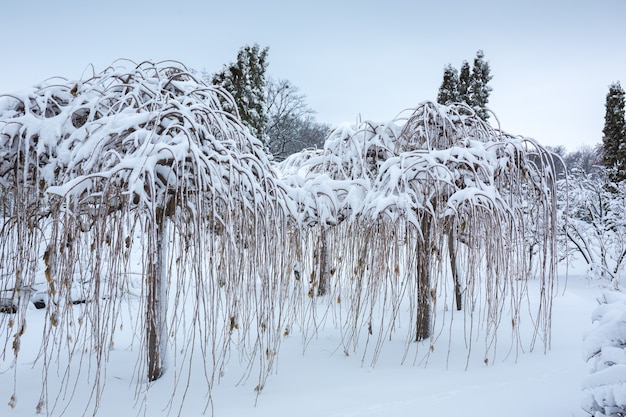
(586, 160)
(135, 186)
(245, 80)
(465, 81)
(395, 203)
(592, 223)
(449, 90)
(479, 85)
(614, 139)
(469, 86)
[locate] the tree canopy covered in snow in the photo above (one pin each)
(135, 189)
(438, 187)
(99, 177)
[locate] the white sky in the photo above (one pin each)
(552, 60)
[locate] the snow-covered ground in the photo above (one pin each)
(323, 381)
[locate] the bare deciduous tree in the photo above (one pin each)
(592, 224)
(291, 123)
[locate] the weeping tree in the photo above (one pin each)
(134, 186)
(429, 208)
(474, 185)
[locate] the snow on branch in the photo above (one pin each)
(136, 184)
(94, 171)
(443, 179)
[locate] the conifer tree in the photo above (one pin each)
(614, 138)
(449, 89)
(479, 89)
(245, 81)
(464, 83)
(470, 85)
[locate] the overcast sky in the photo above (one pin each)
(552, 61)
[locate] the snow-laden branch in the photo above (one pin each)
(136, 184)
(436, 172)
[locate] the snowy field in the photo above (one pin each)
(325, 381)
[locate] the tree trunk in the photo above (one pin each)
(155, 308)
(454, 268)
(323, 265)
(424, 300)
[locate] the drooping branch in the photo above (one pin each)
(125, 164)
(113, 169)
(446, 164)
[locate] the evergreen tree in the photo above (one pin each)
(479, 89)
(470, 85)
(464, 83)
(449, 89)
(245, 81)
(614, 139)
